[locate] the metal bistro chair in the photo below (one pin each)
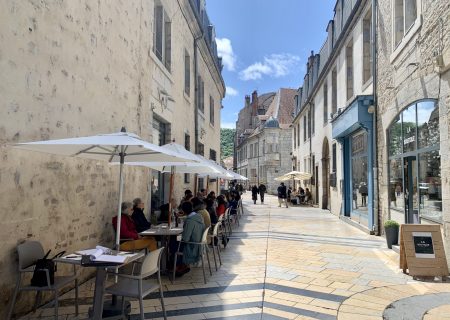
(227, 221)
(29, 252)
(137, 286)
(203, 250)
(214, 238)
(240, 208)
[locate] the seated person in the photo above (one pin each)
(308, 195)
(233, 205)
(221, 205)
(138, 216)
(192, 232)
(301, 193)
(128, 231)
(200, 207)
(211, 211)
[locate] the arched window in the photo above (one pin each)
(414, 164)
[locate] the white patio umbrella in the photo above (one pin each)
(197, 164)
(115, 147)
(299, 175)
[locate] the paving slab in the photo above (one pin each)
(290, 263)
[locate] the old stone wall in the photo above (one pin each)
(407, 74)
(78, 68)
(67, 68)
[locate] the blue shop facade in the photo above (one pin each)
(353, 129)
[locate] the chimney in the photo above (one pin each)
(247, 101)
(254, 103)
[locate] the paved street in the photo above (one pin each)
(295, 263)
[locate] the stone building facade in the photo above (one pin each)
(413, 101)
(332, 128)
(263, 138)
(80, 68)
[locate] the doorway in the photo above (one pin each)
(410, 193)
(325, 174)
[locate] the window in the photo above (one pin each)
(349, 70)
(187, 146)
(212, 154)
(251, 151)
(405, 14)
(325, 103)
(201, 94)
(304, 128)
(334, 91)
(201, 149)
(367, 48)
(334, 157)
(211, 110)
(309, 123)
(162, 36)
(298, 133)
(313, 115)
(415, 187)
(295, 137)
(187, 73)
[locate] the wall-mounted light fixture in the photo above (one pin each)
(164, 97)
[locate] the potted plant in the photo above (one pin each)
(391, 230)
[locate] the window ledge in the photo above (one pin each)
(186, 97)
(161, 66)
(367, 84)
(406, 39)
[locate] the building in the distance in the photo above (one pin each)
(263, 137)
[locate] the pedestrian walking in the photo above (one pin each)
(282, 194)
(254, 193)
(262, 189)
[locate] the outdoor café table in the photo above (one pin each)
(165, 233)
(100, 276)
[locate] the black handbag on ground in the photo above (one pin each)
(39, 278)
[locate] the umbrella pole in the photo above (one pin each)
(172, 173)
(207, 183)
(119, 211)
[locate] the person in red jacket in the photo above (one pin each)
(221, 205)
(128, 231)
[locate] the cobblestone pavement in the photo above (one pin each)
(294, 263)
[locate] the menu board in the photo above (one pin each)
(423, 245)
(422, 250)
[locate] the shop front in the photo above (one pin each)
(353, 129)
(415, 192)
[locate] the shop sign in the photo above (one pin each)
(422, 250)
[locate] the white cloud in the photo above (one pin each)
(228, 125)
(275, 65)
(225, 50)
(231, 92)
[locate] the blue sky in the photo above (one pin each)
(265, 44)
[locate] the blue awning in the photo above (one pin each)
(355, 116)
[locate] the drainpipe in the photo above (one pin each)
(196, 102)
(311, 105)
(377, 218)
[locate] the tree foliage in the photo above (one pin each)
(226, 142)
